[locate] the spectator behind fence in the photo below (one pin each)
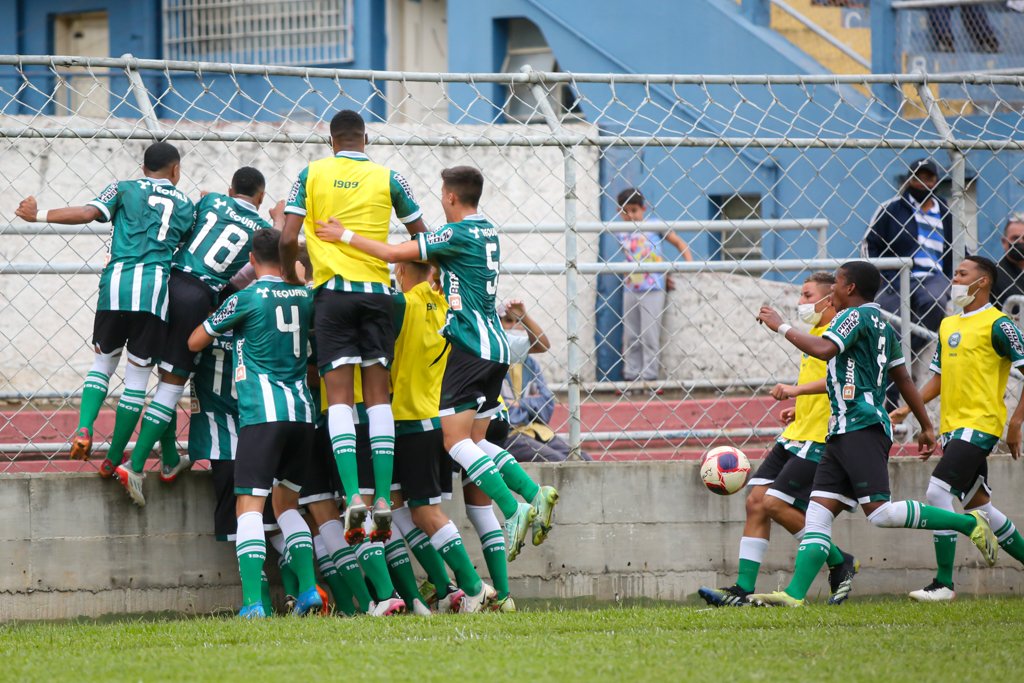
(974, 20)
(1010, 281)
(643, 294)
(529, 401)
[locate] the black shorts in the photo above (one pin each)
(422, 466)
(353, 329)
(321, 481)
(963, 469)
(794, 482)
(497, 432)
(471, 383)
(272, 453)
(770, 466)
(189, 302)
(140, 332)
(855, 467)
(225, 520)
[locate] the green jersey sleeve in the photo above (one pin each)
(296, 203)
(845, 328)
(895, 349)
(108, 201)
(228, 316)
(402, 200)
(1006, 340)
(441, 242)
(936, 364)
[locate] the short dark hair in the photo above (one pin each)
(864, 276)
(630, 195)
(266, 246)
(248, 181)
(347, 124)
(159, 156)
(466, 182)
(987, 265)
(821, 277)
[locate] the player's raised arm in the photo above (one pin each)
(819, 347)
(28, 210)
(332, 230)
(782, 392)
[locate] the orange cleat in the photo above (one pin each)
(81, 444)
(107, 468)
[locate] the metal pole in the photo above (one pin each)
(141, 95)
(905, 313)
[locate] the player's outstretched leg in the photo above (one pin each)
(158, 417)
(941, 587)
(492, 541)
(911, 514)
(94, 392)
(425, 554)
(251, 549)
(542, 498)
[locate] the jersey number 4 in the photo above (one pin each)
(292, 327)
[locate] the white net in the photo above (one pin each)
(765, 179)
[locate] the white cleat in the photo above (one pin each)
(385, 608)
(933, 592)
(450, 603)
(132, 483)
(419, 609)
(476, 603)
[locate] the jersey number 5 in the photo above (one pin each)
(292, 327)
(492, 264)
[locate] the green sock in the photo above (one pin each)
(810, 556)
(515, 476)
(155, 421)
(347, 566)
(400, 567)
(300, 559)
(920, 516)
(251, 554)
(289, 581)
(169, 454)
(94, 392)
(129, 410)
(493, 543)
(1012, 542)
(430, 560)
(835, 556)
(449, 544)
(945, 558)
(268, 604)
(339, 589)
(382, 451)
(371, 559)
(345, 460)
(485, 475)
(747, 578)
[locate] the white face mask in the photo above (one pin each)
(960, 294)
(808, 312)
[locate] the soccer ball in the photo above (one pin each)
(724, 470)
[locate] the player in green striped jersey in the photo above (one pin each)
(150, 218)
(468, 253)
(271, 320)
(215, 251)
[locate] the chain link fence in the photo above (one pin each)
(762, 179)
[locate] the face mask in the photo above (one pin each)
(960, 294)
(1016, 251)
(919, 193)
(809, 313)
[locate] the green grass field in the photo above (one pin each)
(881, 641)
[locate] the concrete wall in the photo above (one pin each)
(74, 545)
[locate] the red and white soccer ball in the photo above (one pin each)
(724, 470)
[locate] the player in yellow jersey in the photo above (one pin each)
(781, 487)
(972, 362)
(353, 305)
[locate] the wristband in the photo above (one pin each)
(347, 236)
(41, 216)
(784, 328)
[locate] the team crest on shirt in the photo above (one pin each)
(954, 340)
(849, 392)
(240, 373)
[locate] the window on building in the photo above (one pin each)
(280, 32)
(738, 245)
(82, 90)
(527, 46)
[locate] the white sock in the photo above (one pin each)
(466, 453)
(401, 519)
(333, 534)
(818, 525)
(137, 378)
(753, 549)
(444, 536)
(1000, 523)
(498, 454)
(250, 528)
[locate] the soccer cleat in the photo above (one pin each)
(132, 483)
(934, 592)
(732, 596)
(380, 522)
(289, 604)
(419, 609)
(385, 608)
(253, 612)
(840, 579)
(355, 518)
(983, 537)
(506, 604)
(776, 599)
(544, 505)
(517, 527)
(325, 611)
(309, 602)
(476, 603)
(429, 591)
(451, 602)
(106, 470)
(169, 473)
(81, 444)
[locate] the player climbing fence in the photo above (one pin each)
(764, 178)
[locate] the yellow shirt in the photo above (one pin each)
(360, 194)
(812, 411)
(974, 356)
(421, 354)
